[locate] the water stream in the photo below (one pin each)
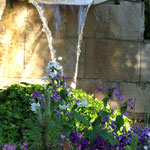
(83, 11)
(45, 29)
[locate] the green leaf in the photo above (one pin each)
(103, 113)
(92, 134)
(12, 95)
(25, 83)
(124, 107)
(105, 100)
(97, 121)
(80, 117)
(119, 122)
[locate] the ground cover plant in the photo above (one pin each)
(62, 118)
(14, 109)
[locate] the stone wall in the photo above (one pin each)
(2, 7)
(113, 48)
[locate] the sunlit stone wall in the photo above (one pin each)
(2, 7)
(113, 51)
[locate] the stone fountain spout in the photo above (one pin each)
(70, 2)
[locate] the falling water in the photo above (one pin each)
(58, 17)
(45, 28)
(83, 11)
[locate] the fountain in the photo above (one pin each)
(83, 11)
(70, 2)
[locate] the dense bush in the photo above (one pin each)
(15, 107)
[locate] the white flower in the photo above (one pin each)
(145, 147)
(34, 106)
(82, 104)
(45, 78)
(64, 106)
(59, 58)
(53, 68)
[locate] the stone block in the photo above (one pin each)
(145, 62)
(12, 41)
(112, 60)
(109, 21)
(140, 92)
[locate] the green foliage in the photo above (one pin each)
(14, 109)
(95, 111)
(41, 136)
(92, 134)
(133, 145)
(147, 19)
(119, 122)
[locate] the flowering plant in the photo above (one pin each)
(74, 109)
(63, 115)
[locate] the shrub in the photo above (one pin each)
(15, 107)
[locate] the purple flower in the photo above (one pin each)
(121, 98)
(126, 114)
(24, 146)
(112, 110)
(43, 105)
(74, 139)
(62, 137)
(105, 118)
(99, 143)
(39, 96)
(84, 143)
(9, 147)
(115, 87)
(99, 89)
(78, 101)
(130, 99)
(68, 114)
(58, 112)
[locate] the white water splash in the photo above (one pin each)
(45, 28)
(83, 11)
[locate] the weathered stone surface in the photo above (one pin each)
(140, 92)
(12, 30)
(2, 7)
(145, 62)
(127, 21)
(112, 60)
